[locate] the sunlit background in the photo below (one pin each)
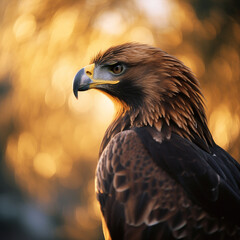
(49, 141)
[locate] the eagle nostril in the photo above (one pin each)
(89, 73)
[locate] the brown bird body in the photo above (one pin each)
(160, 175)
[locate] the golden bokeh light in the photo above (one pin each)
(24, 27)
(225, 126)
(141, 34)
(27, 146)
(83, 104)
(226, 72)
(44, 165)
(111, 23)
(62, 25)
(157, 11)
(55, 98)
(50, 140)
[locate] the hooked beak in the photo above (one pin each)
(84, 80)
(81, 82)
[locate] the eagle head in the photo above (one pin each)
(151, 87)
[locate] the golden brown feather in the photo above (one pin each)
(160, 175)
(171, 92)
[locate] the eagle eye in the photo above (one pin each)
(117, 68)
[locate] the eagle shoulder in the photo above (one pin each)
(135, 192)
(211, 180)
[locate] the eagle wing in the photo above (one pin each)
(150, 187)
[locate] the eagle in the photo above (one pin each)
(160, 175)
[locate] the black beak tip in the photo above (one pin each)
(81, 82)
(75, 91)
(76, 83)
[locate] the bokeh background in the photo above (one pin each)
(49, 141)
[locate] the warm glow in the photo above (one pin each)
(81, 105)
(55, 98)
(27, 146)
(62, 25)
(225, 126)
(44, 165)
(51, 139)
(194, 63)
(141, 34)
(24, 27)
(158, 11)
(110, 23)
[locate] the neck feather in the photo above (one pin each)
(177, 116)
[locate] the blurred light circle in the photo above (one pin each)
(44, 165)
(24, 27)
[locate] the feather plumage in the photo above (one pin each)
(160, 175)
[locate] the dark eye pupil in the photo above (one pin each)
(117, 69)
